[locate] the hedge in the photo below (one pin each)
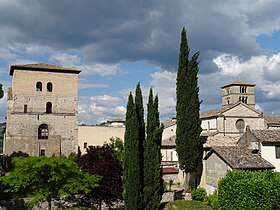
(241, 189)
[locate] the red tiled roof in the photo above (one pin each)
(170, 170)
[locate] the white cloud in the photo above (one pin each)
(88, 84)
(99, 69)
(65, 59)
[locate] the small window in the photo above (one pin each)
(43, 132)
(42, 152)
(277, 152)
(25, 108)
(49, 107)
(85, 144)
(49, 87)
(39, 86)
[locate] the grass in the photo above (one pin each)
(186, 205)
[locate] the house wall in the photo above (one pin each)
(215, 169)
(209, 124)
(169, 154)
(98, 135)
(268, 153)
(169, 131)
(62, 122)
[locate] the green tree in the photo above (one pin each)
(132, 166)
(140, 117)
(188, 122)
(48, 177)
(1, 91)
(153, 182)
(117, 146)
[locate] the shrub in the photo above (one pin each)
(199, 194)
(213, 200)
(249, 190)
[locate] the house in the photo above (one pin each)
(42, 110)
(221, 159)
(265, 142)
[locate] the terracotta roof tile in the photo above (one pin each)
(275, 120)
(241, 158)
(219, 140)
(237, 82)
(42, 66)
(267, 135)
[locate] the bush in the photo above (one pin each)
(249, 190)
(199, 194)
(213, 200)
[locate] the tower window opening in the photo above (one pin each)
(39, 86)
(43, 132)
(49, 87)
(49, 107)
(25, 108)
(42, 152)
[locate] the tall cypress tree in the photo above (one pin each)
(1, 91)
(188, 122)
(132, 166)
(141, 136)
(153, 183)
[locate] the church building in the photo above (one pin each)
(42, 112)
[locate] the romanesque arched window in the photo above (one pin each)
(39, 86)
(43, 131)
(49, 87)
(49, 107)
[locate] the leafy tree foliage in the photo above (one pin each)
(48, 177)
(241, 189)
(188, 123)
(117, 146)
(1, 91)
(132, 165)
(7, 164)
(101, 161)
(153, 182)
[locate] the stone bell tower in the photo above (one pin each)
(42, 115)
(238, 91)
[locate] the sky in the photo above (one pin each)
(118, 43)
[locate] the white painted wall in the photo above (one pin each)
(209, 124)
(268, 153)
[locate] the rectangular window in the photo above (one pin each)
(85, 144)
(43, 152)
(25, 108)
(277, 152)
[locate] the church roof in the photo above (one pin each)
(220, 111)
(240, 158)
(269, 136)
(43, 67)
(220, 140)
(237, 82)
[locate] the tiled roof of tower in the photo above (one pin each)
(43, 67)
(240, 158)
(237, 82)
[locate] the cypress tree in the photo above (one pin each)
(132, 168)
(153, 183)
(1, 91)
(141, 136)
(188, 122)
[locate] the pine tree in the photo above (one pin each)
(188, 122)
(153, 183)
(132, 167)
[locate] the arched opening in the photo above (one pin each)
(49, 87)
(49, 107)
(43, 131)
(39, 86)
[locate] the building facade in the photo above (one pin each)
(42, 113)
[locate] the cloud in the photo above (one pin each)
(101, 107)
(99, 69)
(65, 59)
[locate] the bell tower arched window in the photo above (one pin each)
(49, 107)
(39, 86)
(49, 87)
(43, 131)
